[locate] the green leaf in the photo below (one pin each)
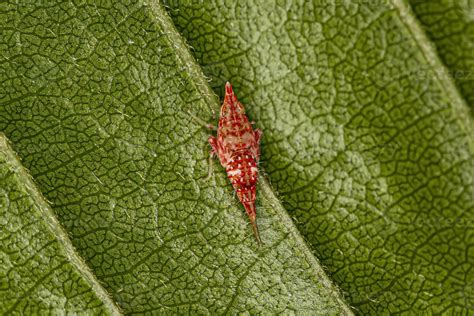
(41, 272)
(95, 100)
(374, 160)
(450, 25)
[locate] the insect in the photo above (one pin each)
(237, 146)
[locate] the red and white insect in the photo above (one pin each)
(238, 150)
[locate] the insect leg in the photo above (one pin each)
(258, 134)
(201, 122)
(213, 142)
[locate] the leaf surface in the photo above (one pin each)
(374, 162)
(40, 272)
(95, 99)
(450, 25)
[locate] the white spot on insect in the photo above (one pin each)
(234, 172)
(254, 169)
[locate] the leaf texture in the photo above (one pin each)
(374, 161)
(40, 271)
(450, 25)
(95, 98)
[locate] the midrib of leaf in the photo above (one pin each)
(184, 57)
(48, 217)
(269, 194)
